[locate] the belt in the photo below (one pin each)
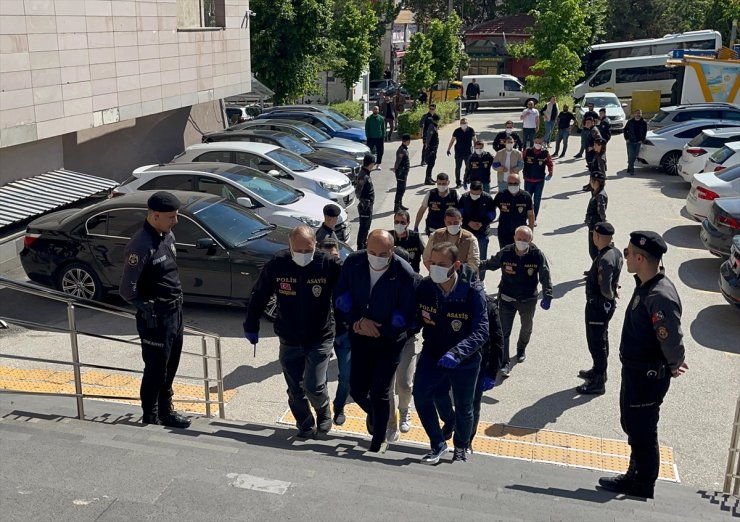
(168, 306)
(653, 370)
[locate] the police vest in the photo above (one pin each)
(480, 167)
(514, 209)
(438, 205)
(535, 165)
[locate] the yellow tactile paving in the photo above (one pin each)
(502, 440)
(95, 382)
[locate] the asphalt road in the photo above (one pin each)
(697, 414)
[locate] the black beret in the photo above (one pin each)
(163, 202)
(476, 185)
(649, 241)
(368, 160)
(604, 228)
(597, 174)
(332, 210)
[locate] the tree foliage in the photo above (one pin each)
(559, 73)
(351, 31)
(447, 52)
(417, 73)
(386, 12)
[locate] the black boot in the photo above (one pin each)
(323, 420)
(593, 387)
(627, 485)
(168, 416)
(589, 374)
(150, 418)
(339, 417)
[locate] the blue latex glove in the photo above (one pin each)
(548, 177)
(487, 383)
(448, 153)
(496, 164)
(252, 337)
(492, 215)
(448, 361)
(344, 303)
(465, 186)
(545, 303)
(416, 229)
(398, 320)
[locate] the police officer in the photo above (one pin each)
(516, 209)
(407, 239)
(478, 212)
(401, 170)
(365, 192)
(499, 142)
(523, 266)
(326, 230)
(605, 128)
(454, 322)
(424, 124)
(602, 284)
(303, 280)
(151, 282)
(596, 210)
(651, 351)
(479, 167)
(437, 202)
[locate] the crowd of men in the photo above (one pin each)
(437, 339)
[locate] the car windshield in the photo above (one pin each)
(728, 175)
(659, 117)
(603, 101)
(266, 187)
(233, 224)
(673, 128)
(315, 134)
(291, 161)
(293, 144)
(336, 115)
(331, 123)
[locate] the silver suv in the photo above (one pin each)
(699, 111)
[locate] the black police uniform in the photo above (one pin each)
(431, 145)
(515, 210)
(479, 169)
(151, 282)
(463, 144)
(602, 283)
(401, 169)
(305, 327)
(595, 213)
(480, 210)
(651, 347)
(499, 142)
(365, 192)
(412, 244)
(437, 205)
(520, 276)
(591, 137)
(605, 129)
(324, 232)
(424, 124)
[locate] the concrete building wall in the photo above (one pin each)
(29, 159)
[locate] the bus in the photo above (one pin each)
(598, 54)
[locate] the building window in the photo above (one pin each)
(194, 14)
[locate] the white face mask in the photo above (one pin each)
(464, 126)
(442, 188)
(439, 274)
(509, 146)
(302, 259)
(378, 263)
(474, 197)
(453, 229)
(522, 246)
(538, 146)
(399, 228)
(508, 131)
(479, 151)
(514, 189)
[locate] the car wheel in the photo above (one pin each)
(271, 309)
(79, 280)
(669, 163)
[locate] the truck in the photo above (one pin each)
(706, 79)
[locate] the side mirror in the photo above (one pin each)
(205, 243)
(274, 173)
(245, 202)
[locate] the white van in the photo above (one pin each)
(497, 90)
(622, 76)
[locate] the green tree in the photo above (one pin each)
(289, 39)
(447, 52)
(558, 73)
(351, 31)
(417, 73)
(386, 12)
(377, 64)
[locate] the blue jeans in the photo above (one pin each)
(429, 378)
(483, 247)
(344, 358)
(562, 136)
(529, 137)
(633, 149)
(535, 189)
(549, 125)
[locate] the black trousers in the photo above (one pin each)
(304, 368)
(377, 145)
(639, 403)
(161, 346)
(431, 158)
(505, 237)
(599, 312)
(507, 312)
(374, 363)
(400, 188)
(593, 250)
(459, 161)
(363, 230)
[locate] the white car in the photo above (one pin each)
(709, 186)
(276, 161)
(272, 199)
(697, 151)
(663, 147)
(726, 157)
(603, 100)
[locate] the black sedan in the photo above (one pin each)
(221, 247)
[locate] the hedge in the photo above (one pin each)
(408, 121)
(351, 109)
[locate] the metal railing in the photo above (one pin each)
(732, 472)
(73, 304)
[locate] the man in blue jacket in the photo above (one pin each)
(452, 314)
(375, 297)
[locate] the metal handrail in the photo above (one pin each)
(75, 302)
(732, 472)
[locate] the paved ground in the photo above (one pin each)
(540, 393)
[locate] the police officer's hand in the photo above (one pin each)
(545, 303)
(487, 383)
(448, 361)
(680, 370)
(252, 337)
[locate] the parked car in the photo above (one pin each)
(498, 90)
(307, 133)
(324, 109)
(721, 225)
(320, 121)
(729, 275)
(296, 171)
(444, 91)
(221, 247)
(709, 186)
(237, 115)
(326, 158)
(663, 147)
(698, 150)
(378, 86)
(603, 100)
(270, 198)
(698, 111)
(726, 157)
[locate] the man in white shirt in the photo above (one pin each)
(531, 123)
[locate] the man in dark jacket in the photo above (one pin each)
(303, 281)
(499, 142)
(424, 124)
(479, 167)
(516, 209)
(635, 133)
(365, 193)
(375, 134)
(388, 111)
(431, 145)
(326, 230)
(401, 170)
(472, 92)
(478, 212)
(605, 128)
(375, 297)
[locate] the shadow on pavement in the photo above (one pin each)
(566, 195)
(716, 327)
(671, 186)
(560, 289)
(244, 374)
(548, 409)
(596, 495)
(701, 274)
(568, 229)
(684, 236)
(724, 502)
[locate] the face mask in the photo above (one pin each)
(638, 117)
(479, 151)
(508, 131)
(509, 146)
(464, 126)
(453, 229)
(514, 189)
(300, 258)
(439, 274)
(474, 197)
(522, 246)
(442, 188)
(538, 146)
(377, 262)
(399, 228)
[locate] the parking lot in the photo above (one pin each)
(697, 415)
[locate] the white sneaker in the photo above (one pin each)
(405, 420)
(391, 435)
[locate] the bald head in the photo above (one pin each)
(523, 233)
(380, 243)
(513, 178)
(302, 239)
